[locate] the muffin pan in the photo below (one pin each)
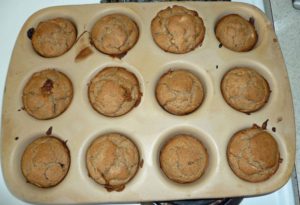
(147, 125)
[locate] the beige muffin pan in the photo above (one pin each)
(147, 125)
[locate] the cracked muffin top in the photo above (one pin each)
(114, 34)
(54, 37)
(253, 154)
(236, 33)
(114, 91)
(177, 29)
(112, 160)
(45, 162)
(183, 159)
(179, 92)
(47, 94)
(245, 90)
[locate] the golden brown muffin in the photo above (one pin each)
(47, 94)
(183, 159)
(253, 154)
(112, 160)
(244, 89)
(114, 34)
(54, 37)
(177, 29)
(236, 33)
(114, 91)
(179, 92)
(45, 162)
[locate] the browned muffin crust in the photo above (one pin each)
(54, 37)
(112, 160)
(236, 33)
(253, 154)
(183, 159)
(177, 29)
(244, 89)
(47, 94)
(115, 34)
(114, 91)
(45, 162)
(179, 92)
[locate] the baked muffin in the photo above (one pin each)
(47, 94)
(112, 160)
(179, 92)
(236, 33)
(177, 29)
(114, 34)
(114, 91)
(253, 154)
(244, 89)
(45, 162)
(183, 159)
(54, 37)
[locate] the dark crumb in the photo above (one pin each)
(275, 40)
(61, 165)
(217, 66)
(255, 126)
(19, 110)
(251, 20)
(279, 119)
(84, 53)
(49, 131)
(16, 138)
(274, 129)
(280, 160)
(47, 87)
(141, 163)
(120, 56)
(264, 124)
(30, 33)
(118, 188)
(220, 45)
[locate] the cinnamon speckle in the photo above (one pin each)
(279, 119)
(275, 40)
